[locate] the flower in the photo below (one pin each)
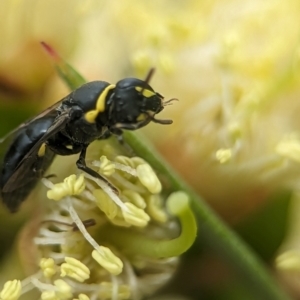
(235, 68)
(93, 243)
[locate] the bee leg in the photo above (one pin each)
(81, 165)
(87, 223)
(49, 176)
(124, 144)
(118, 134)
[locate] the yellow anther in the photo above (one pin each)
(125, 161)
(82, 297)
(75, 269)
(148, 178)
(11, 290)
(289, 261)
(136, 161)
(290, 148)
(64, 291)
(107, 167)
(135, 198)
(48, 267)
(71, 186)
(79, 185)
(154, 208)
(105, 203)
(108, 260)
(49, 295)
(135, 216)
(223, 155)
(119, 221)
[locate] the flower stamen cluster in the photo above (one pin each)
(85, 260)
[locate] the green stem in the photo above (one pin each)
(213, 231)
(135, 242)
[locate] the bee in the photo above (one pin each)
(96, 110)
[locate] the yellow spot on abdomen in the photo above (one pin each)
(42, 150)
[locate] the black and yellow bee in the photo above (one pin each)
(96, 110)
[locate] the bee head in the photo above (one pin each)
(134, 104)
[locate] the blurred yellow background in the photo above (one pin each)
(233, 65)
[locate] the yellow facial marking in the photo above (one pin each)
(150, 113)
(146, 93)
(91, 115)
(141, 117)
(42, 150)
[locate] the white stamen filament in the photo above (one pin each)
(108, 191)
(118, 166)
(80, 225)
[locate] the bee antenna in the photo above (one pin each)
(149, 75)
(147, 79)
(169, 102)
(159, 121)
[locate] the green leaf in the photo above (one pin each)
(67, 73)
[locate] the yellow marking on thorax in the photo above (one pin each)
(91, 115)
(42, 150)
(144, 116)
(146, 93)
(141, 117)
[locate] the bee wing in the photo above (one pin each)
(20, 174)
(6, 140)
(45, 112)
